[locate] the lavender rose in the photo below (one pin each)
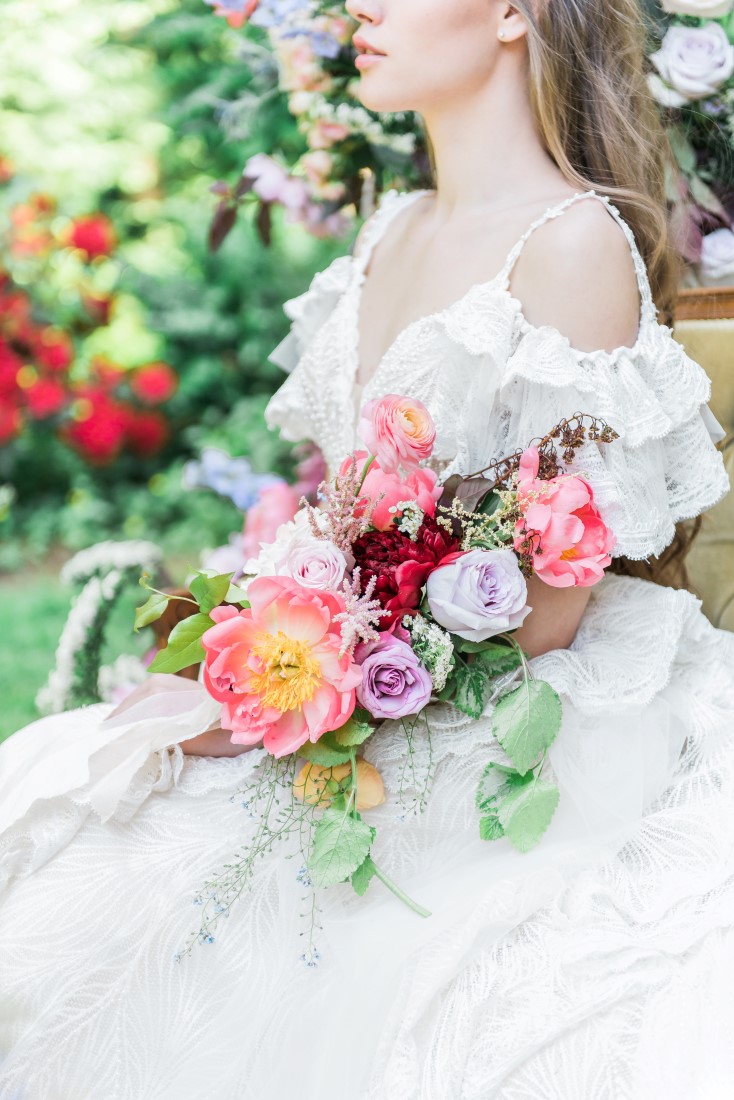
(693, 62)
(479, 594)
(394, 682)
(717, 256)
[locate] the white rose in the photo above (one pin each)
(294, 547)
(693, 61)
(706, 9)
(717, 255)
(316, 564)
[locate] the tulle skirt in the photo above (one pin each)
(597, 965)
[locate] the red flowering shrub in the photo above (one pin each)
(44, 397)
(98, 414)
(400, 565)
(92, 234)
(154, 383)
(97, 427)
(147, 432)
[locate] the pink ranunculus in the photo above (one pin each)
(276, 668)
(420, 485)
(398, 430)
(575, 543)
(277, 504)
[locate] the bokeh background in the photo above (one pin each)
(126, 345)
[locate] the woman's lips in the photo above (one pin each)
(367, 60)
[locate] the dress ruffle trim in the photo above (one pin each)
(309, 311)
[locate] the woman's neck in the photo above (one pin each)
(488, 152)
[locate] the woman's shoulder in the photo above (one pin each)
(578, 274)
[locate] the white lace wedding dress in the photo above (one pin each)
(597, 967)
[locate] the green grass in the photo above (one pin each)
(33, 608)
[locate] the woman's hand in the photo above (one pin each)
(214, 742)
(555, 617)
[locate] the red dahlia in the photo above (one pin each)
(400, 565)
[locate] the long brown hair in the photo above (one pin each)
(602, 127)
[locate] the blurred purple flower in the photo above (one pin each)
(232, 478)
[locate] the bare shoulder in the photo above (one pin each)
(576, 273)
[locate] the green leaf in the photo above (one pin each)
(527, 811)
(356, 730)
(237, 595)
(210, 591)
(490, 828)
(496, 659)
(526, 722)
(341, 844)
(151, 610)
(493, 657)
(325, 752)
(472, 689)
(363, 876)
(184, 645)
(495, 781)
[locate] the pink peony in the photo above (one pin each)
(420, 485)
(276, 504)
(575, 544)
(398, 430)
(276, 667)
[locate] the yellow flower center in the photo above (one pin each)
(289, 675)
(570, 555)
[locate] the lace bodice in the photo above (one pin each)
(493, 382)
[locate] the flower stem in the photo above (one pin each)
(400, 893)
(365, 471)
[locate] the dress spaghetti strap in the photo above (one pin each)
(648, 310)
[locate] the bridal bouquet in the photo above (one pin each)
(395, 592)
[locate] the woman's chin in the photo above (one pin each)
(382, 99)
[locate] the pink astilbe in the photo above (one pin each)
(345, 514)
(362, 613)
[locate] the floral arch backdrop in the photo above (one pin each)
(301, 50)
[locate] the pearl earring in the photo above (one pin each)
(501, 34)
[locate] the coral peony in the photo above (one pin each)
(398, 430)
(401, 566)
(420, 485)
(575, 544)
(276, 669)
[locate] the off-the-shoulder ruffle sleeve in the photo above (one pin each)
(310, 310)
(663, 468)
(287, 410)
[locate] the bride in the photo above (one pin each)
(533, 283)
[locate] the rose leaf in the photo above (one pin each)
(355, 731)
(341, 844)
(184, 645)
(362, 877)
(151, 610)
(210, 591)
(325, 752)
(526, 722)
(526, 812)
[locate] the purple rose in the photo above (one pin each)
(394, 682)
(479, 594)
